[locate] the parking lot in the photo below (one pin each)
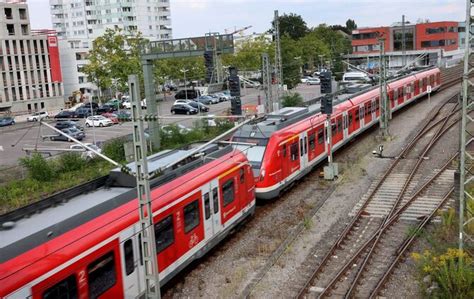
(14, 139)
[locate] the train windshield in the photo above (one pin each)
(254, 154)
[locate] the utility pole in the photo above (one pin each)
(151, 102)
(267, 83)
(404, 46)
(466, 195)
(383, 100)
(147, 228)
(278, 63)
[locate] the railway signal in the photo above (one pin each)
(234, 88)
(326, 105)
(326, 82)
(209, 64)
(331, 170)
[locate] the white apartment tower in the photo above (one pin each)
(79, 22)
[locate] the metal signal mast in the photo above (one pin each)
(383, 99)
(278, 64)
(267, 83)
(466, 194)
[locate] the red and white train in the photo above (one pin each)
(291, 141)
(89, 247)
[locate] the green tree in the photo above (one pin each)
(292, 100)
(248, 54)
(292, 25)
(291, 61)
(172, 69)
(351, 25)
(114, 56)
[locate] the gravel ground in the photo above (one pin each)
(226, 270)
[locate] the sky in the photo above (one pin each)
(197, 17)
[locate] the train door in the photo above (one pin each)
(215, 206)
(294, 156)
(345, 124)
(132, 263)
(417, 88)
(285, 160)
(311, 145)
(400, 95)
(391, 98)
(438, 79)
(339, 129)
(320, 146)
(368, 112)
(362, 116)
(376, 105)
(208, 214)
(356, 119)
(304, 149)
(425, 84)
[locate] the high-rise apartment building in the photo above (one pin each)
(30, 72)
(79, 22)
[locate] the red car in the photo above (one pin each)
(113, 117)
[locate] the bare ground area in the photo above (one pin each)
(229, 268)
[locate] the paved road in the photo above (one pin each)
(14, 138)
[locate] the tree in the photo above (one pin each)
(168, 69)
(351, 25)
(248, 54)
(291, 61)
(114, 56)
(292, 25)
(292, 100)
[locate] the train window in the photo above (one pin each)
(312, 141)
(283, 149)
(350, 119)
(339, 124)
(362, 112)
(333, 127)
(191, 216)
(101, 275)
(207, 206)
(320, 136)
(66, 288)
(242, 175)
(228, 192)
(140, 248)
(357, 116)
(164, 234)
(128, 254)
(368, 109)
(215, 199)
(424, 82)
(301, 147)
(294, 151)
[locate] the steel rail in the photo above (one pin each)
(357, 217)
(407, 244)
(379, 232)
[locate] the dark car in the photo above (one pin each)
(66, 124)
(6, 121)
(105, 109)
(73, 132)
(201, 106)
(65, 114)
(83, 112)
(124, 115)
(183, 109)
(191, 94)
(94, 105)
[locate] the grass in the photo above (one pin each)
(46, 177)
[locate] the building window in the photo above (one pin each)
(435, 30)
(24, 29)
(11, 29)
(23, 15)
(8, 13)
(101, 275)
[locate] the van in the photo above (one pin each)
(355, 77)
(188, 94)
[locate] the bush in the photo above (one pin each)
(38, 168)
(71, 162)
(452, 271)
(114, 149)
(292, 100)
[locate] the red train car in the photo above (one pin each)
(291, 141)
(90, 246)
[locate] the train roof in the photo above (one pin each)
(289, 117)
(29, 232)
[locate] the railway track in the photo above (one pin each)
(408, 191)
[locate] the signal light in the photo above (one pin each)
(326, 82)
(326, 105)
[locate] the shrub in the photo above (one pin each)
(453, 272)
(71, 162)
(292, 100)
(114, 149)
(38, 168)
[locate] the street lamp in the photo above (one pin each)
(185, 89)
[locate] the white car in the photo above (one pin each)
(313, 81)
(224, 96)
(182, 102)
(305, 79)
(86, 154)
(98, 121)
(127, 104)
(37, 116)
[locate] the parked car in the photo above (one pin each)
(87, 154)
(65, 124)
(355, 77)
(123, 115)
(94, 105)
(197, 105)
(313, 81)
(65, 114)
(305, 79)
(37, 116)
(105, 108)
(183, 109)
(127, 104)
(207, 100)
(191, 94)
(182, 102)
(223, 97)
(6, 121)
(73, 132)
(218, 98)
(114, 102)
(83, 112)
(98, 121)
(112, 116)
